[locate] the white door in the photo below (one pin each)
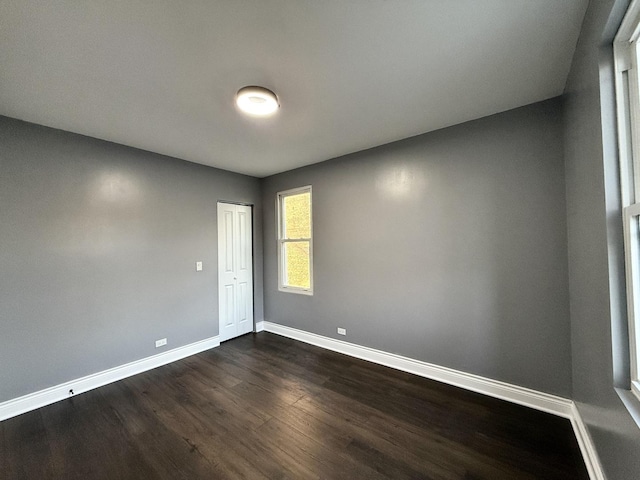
(235, 272)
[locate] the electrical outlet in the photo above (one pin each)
(198, 266)
(342, 331)
(161, 342)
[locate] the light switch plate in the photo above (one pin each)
(198, 266)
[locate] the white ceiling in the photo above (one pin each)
(161, 75)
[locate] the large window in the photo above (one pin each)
(295, 244)
(627, 62)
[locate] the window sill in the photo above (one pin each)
(631, 403)
(296, 290)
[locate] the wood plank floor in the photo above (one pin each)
(263, 406)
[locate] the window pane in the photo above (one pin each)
(297, 215)
(297, 265)
(635, 329)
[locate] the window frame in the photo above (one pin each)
(281, 241)
(626, 49)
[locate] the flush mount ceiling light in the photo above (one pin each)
(257, 101)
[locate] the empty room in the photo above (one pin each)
(301, 239)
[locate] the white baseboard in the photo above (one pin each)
(494, 388)
(545, 402)
(591, 459)
(560, 406)
(32, 401)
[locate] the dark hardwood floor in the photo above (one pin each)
(263, 406)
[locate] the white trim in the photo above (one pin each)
(494, 388)
(32, 401)
(635, 389)
(626, 51)
(632, 253)
(540, 401)
(627, 82)
(560, 406)
(629, 30)
(281, 241)
(589, 454)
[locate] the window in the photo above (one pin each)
(627, 63)
(295, 244)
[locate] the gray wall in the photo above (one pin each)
(449, 247)
(598, 318)
(98, 244)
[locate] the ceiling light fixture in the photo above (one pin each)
(257, 101)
